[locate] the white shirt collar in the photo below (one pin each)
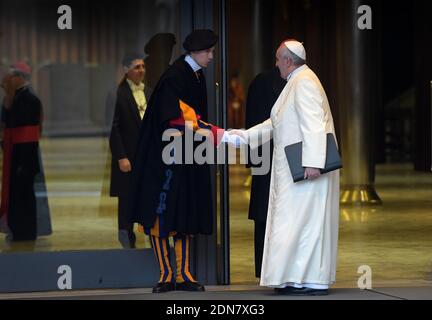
(195, 66)
(135, 86)
(292, 74)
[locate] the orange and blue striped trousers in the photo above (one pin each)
(161, 248)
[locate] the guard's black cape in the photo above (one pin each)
(179, 194)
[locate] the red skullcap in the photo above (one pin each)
(22, 67)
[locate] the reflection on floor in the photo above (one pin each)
(83, 215)
(395, 240)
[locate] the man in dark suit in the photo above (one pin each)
(131, 104)
(262, 95)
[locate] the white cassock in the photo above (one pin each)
(301, 237)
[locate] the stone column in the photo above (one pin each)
(358, 96)
(257, 36)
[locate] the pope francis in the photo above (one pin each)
(300, 249)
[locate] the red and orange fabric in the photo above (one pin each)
(190, 118)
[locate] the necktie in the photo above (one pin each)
(136, 88)
(138, 92)
(141, 110)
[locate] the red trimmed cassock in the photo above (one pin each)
(22, 127)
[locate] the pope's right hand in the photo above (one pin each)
(233, 140)
(240, 133)
(125, 165)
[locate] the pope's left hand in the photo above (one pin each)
(312, 173)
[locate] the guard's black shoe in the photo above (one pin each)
(162, 287)
(189, 286)
(291, 291)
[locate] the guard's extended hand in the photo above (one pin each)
(240, 133)
(233, 140)
(312, 173)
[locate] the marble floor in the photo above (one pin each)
(233, 292)
(394, 240)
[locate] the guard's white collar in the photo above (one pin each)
(195, 66)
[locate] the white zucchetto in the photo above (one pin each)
(297, 48)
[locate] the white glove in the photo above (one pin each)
(233, 140)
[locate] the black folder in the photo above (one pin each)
(293, 154)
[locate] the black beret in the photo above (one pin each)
(200, 40)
